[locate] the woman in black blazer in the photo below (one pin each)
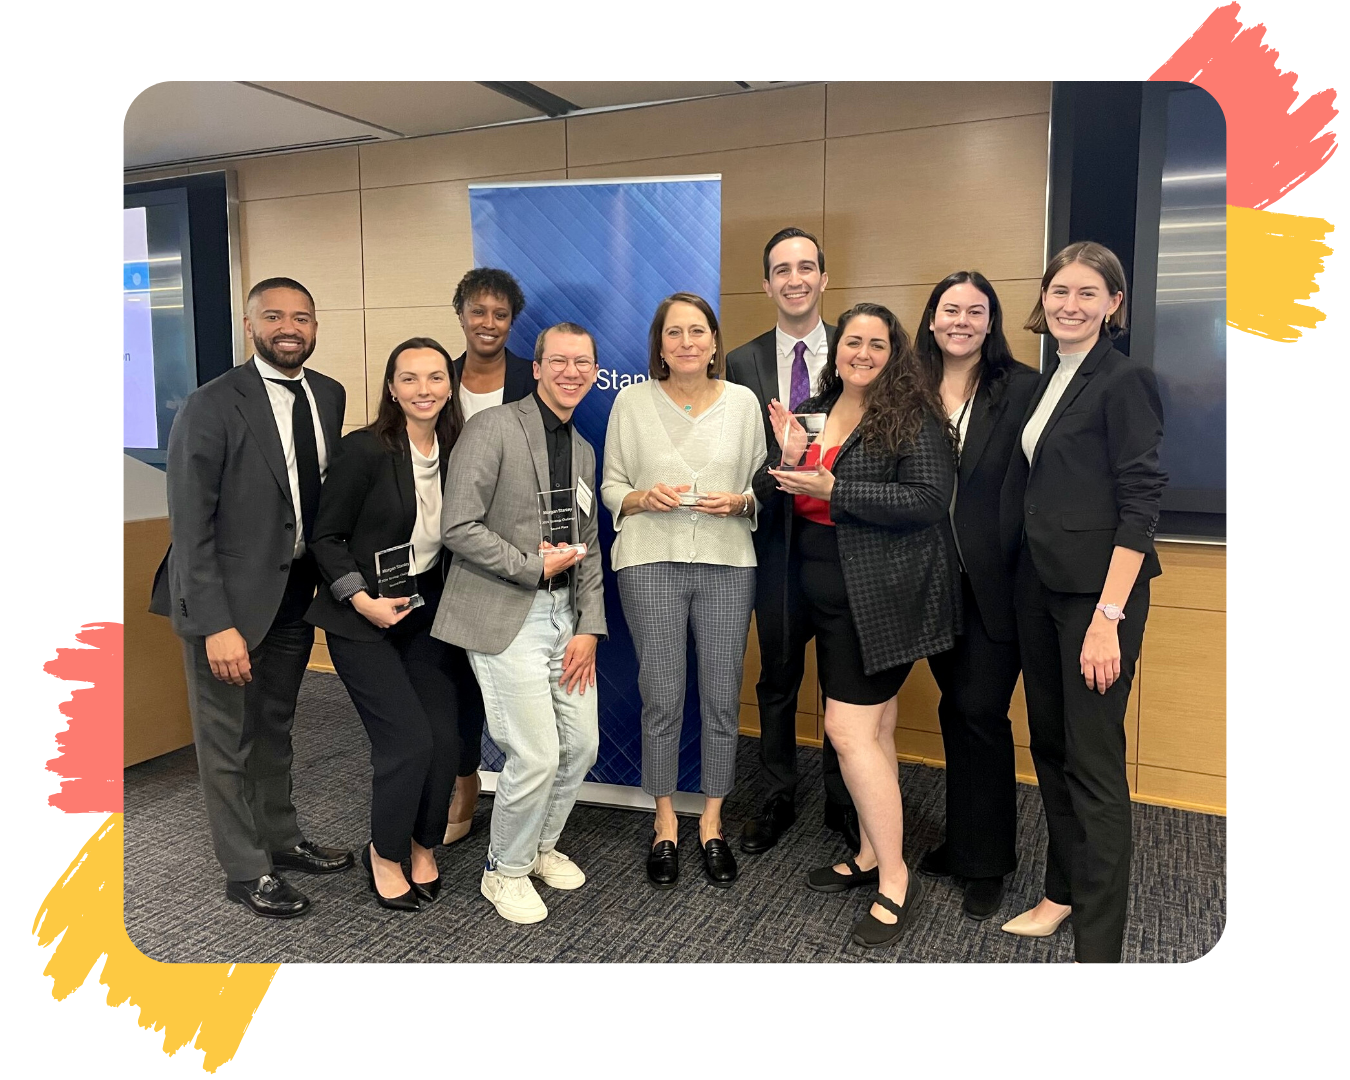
(966, 362)
(1085, 486)
(876, 567)
(383, 490)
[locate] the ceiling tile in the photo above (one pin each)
(594, 95)
(181, 121)
(410, 108)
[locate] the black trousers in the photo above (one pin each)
(977, 677)
(243, 736)
(469, 722)
(784, 631)
(407, 690)
(1078, 746)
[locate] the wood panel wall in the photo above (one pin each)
(903, 183)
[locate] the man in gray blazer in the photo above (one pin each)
(529, 611)
(247, 454)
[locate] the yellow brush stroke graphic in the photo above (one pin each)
(213, 1002)
(1272, 260)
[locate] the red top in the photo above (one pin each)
(808, 506)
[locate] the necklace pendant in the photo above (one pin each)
(688, 408)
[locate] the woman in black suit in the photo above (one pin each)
(1085, 486)
(875, 563)
(383, 490)
(965, 359)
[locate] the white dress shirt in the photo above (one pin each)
(1059, 382)
(283, 401)
(426, 534)
(817, 349)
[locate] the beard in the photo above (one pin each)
(283, 361)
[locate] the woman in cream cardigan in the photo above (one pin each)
(680, 452)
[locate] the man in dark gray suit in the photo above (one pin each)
(247, 454)
(785, 364)
(529, 616)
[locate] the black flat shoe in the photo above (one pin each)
(404, 902)
(719, 864)
(871, 933)
(935, 864)
(663, 864)
(268, 896)
(312, 859)
(827, 879)
(984, 896)
(761, 833)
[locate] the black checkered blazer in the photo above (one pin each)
(895, 543)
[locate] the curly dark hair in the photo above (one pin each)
(896, 401)
(390, 425)
(996, 358)
(486, 279)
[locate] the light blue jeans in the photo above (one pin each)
(550, 737)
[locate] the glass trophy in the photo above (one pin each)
(557, 520)
(393, 576)
(800, 452)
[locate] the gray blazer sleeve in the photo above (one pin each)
(590, 595)
(474, 470)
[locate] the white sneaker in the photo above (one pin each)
(557, 870)
(513, 897)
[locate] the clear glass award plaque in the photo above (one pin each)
(800, 452)
(557, 520)
(394, 577)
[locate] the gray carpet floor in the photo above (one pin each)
(176, 911)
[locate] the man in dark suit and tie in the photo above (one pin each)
(785, 364)
(247, 455)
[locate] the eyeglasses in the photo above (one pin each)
(558, 364)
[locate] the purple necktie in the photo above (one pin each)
(801, 381)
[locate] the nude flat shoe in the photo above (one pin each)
(1025, 926)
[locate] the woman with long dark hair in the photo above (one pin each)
(877, 572)
(383, 491)
(965, 360)
(1084, 488)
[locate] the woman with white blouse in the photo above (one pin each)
(680, 452)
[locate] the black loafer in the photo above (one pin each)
(935, 863)
(871, 933)
(268, 896)
(427, 891)
(827, 879)
(312, 859)
(761, 833)
(663, 864)
(984, 896)
(719, 864)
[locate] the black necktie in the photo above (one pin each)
(306, 453)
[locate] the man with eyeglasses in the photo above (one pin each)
(524, 599)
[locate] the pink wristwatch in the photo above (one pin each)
(1111, 611)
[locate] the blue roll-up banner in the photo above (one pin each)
(604, 253)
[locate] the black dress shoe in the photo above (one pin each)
(719, 864)
(843, 819)
(761, 833)
(403, 902)
(935, 863)
(427, 891)
(312, 859)
(268, 896)
(827, 879)
(663, 864)
(871, 933)
(983, 897)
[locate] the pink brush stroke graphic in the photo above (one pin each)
(1270, 149)
(90, 757)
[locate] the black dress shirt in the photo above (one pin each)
(558, 435)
